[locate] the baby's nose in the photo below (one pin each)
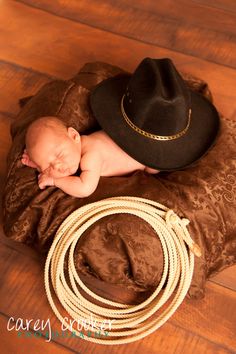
(55, 166)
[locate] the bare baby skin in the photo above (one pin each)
(57, 152)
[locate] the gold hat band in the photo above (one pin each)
(153, 136)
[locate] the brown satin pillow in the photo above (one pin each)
(120, 256)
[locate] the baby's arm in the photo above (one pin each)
(86, 183)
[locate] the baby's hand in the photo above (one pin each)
(45, 180)
(26, 160)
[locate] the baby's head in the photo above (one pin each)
(53, 146)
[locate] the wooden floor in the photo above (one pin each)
(44, 39)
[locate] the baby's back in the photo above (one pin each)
(115, 161)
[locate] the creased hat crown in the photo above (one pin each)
(157, 99)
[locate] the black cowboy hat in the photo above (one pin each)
(155, 117)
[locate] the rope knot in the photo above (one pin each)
(185, 222)
(171, 218)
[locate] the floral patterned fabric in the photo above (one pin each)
(120, 256)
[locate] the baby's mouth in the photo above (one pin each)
(65, 172)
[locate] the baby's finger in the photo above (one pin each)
(24, 160)
(41, 185)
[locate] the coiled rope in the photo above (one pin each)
(130, 322)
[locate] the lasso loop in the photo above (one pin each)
(129, 322)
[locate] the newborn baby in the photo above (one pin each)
(57, 152)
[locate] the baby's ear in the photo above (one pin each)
(73, 134)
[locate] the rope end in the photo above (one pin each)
(196, 250)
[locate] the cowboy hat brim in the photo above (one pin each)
(167, 155)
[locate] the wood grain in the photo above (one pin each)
(226, 5)
(227, 278)
(162, 23)
(17, 82)
(77, 44)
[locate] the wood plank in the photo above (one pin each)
(226, 278)
(61, 53)
(226, 5)
(212, 314)
(163, 23)
(205, 324)
(207, 15)
(17, 82)
(12, 342)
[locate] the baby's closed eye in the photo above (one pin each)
(60, 156)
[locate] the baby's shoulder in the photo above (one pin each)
(93, 142)
(91, 157)
(98, 135)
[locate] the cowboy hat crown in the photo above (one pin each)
(156, 92)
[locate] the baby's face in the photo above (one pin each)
(55, 154)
